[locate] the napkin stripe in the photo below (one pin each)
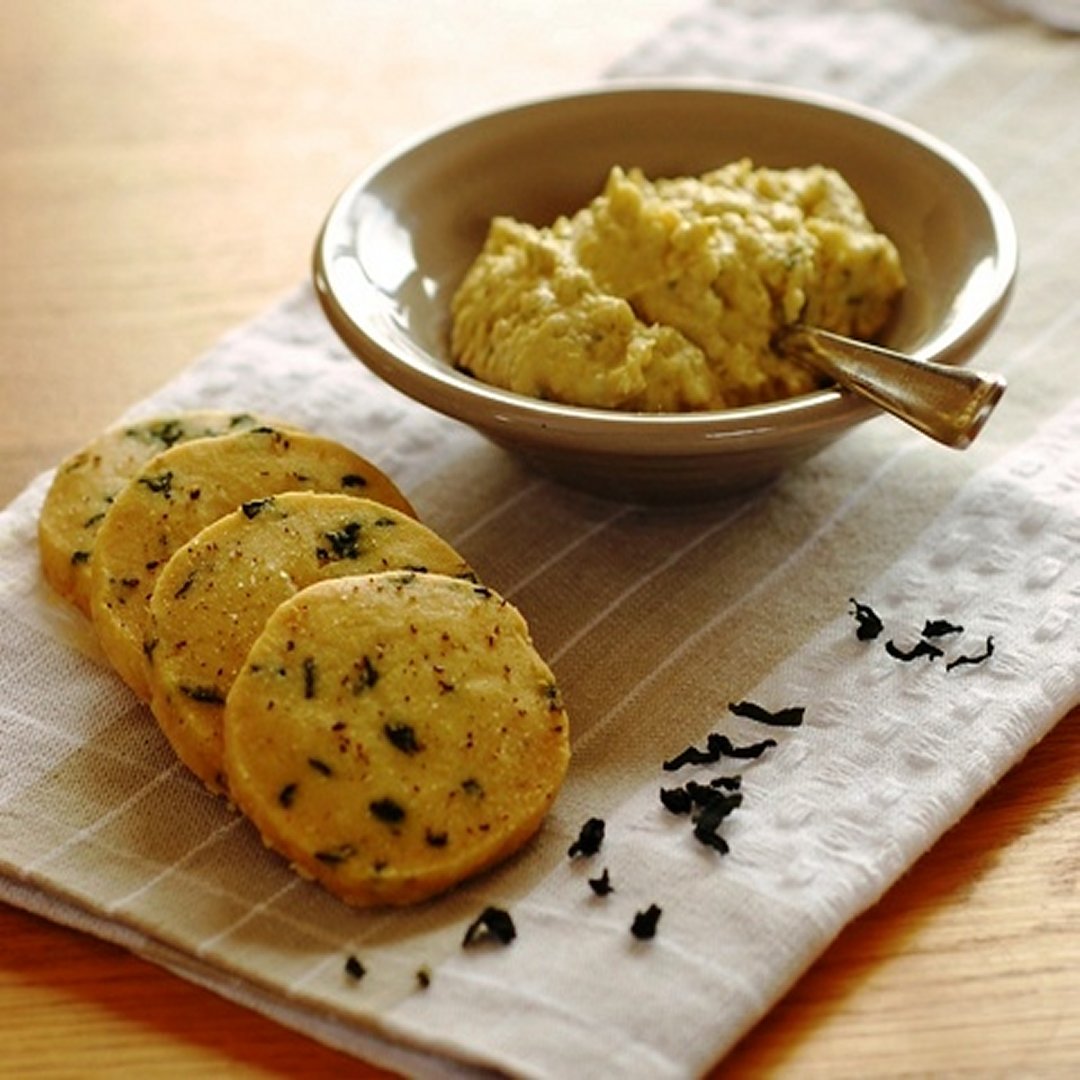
(87, 834)
(216, 836)
(670, 561)
(544, 565)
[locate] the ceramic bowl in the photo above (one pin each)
(397, 242)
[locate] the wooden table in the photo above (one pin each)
(163, 169)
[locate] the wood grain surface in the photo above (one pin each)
(163, 170)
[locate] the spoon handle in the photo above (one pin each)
(950, 404)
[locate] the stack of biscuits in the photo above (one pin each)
(312, 652)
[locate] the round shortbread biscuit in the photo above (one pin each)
(182, 490)
(393, 734)
(216, 592)
(86, 483)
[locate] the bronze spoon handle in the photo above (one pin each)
(950, 404)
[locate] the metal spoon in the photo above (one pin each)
(950, 404)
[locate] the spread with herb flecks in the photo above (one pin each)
(665, 295)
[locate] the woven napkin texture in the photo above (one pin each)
(656, 622)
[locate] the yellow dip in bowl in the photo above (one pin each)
(664, 295)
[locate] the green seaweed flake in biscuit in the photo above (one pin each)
(393, 734)
(86, 483)
(182, 490)
(215, 594)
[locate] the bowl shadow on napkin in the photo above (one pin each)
(950, 873)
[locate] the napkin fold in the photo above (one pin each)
(886, 630)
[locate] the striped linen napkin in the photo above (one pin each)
(746, 623)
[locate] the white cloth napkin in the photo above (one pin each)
(657, 623)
